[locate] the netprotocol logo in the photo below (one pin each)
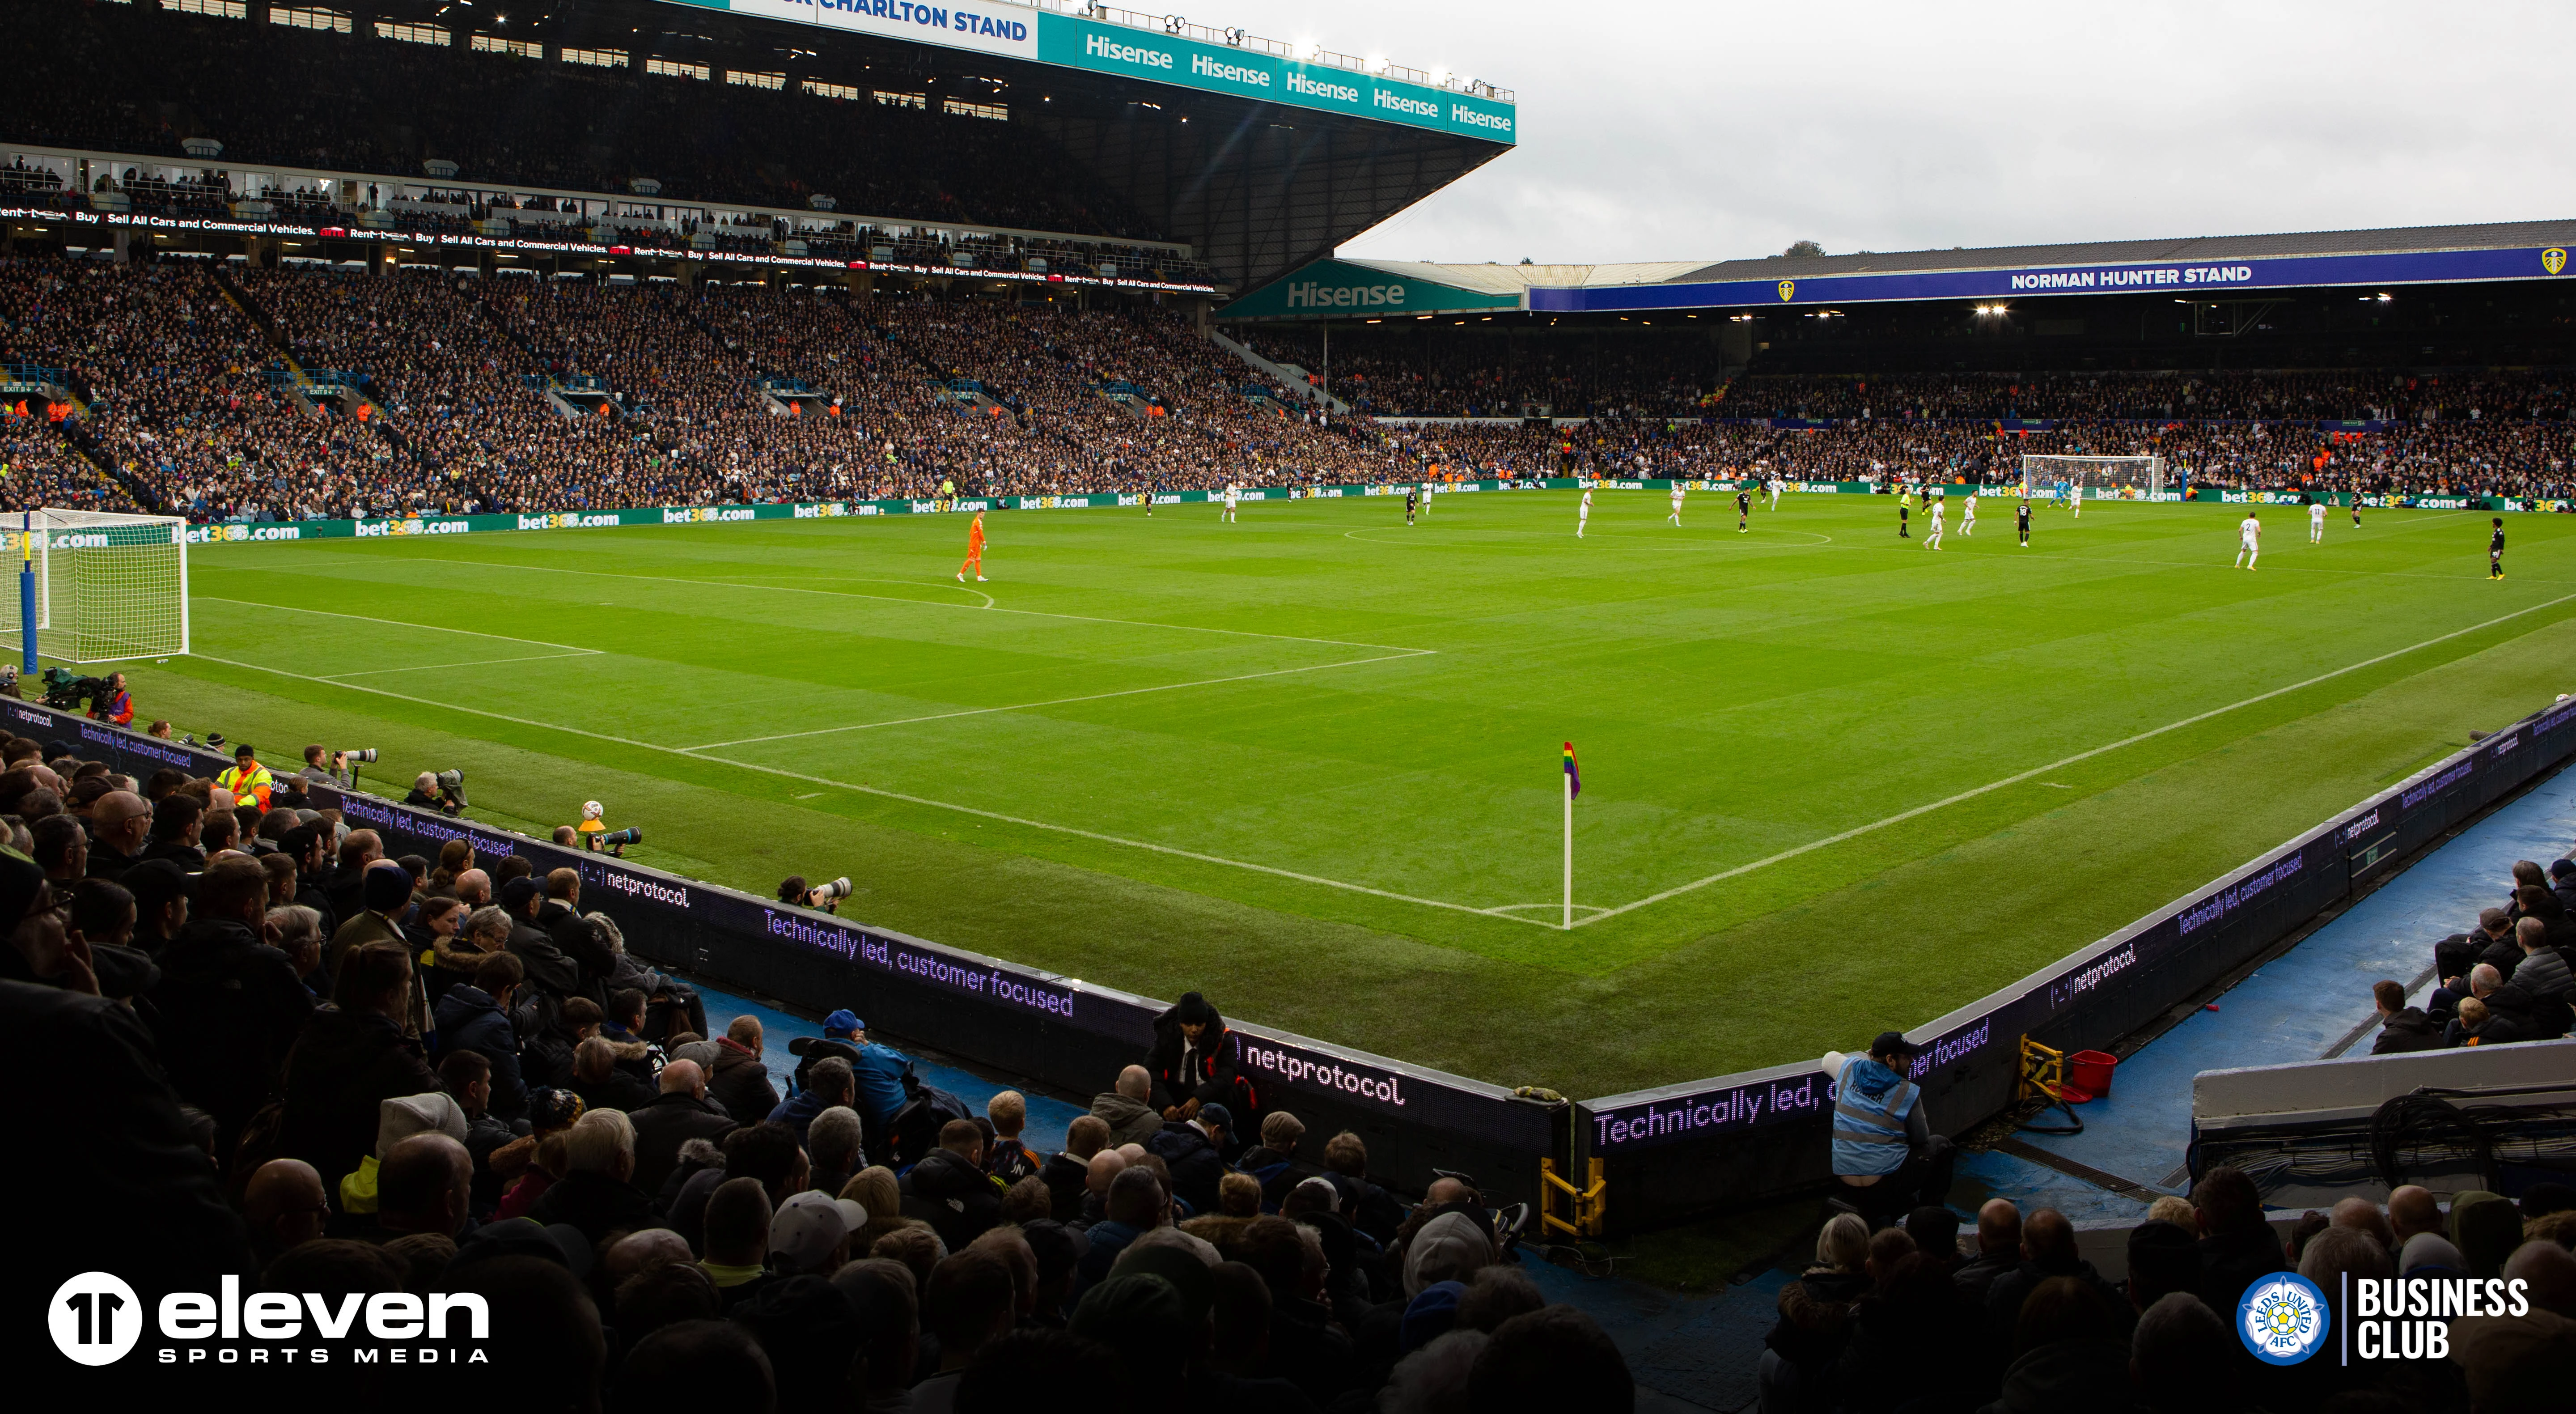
(96, 1319)
(2282, 1318)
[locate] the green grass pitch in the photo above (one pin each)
(1309, 763)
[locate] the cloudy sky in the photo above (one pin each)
(1659, 131)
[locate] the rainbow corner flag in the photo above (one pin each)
(1573, 776)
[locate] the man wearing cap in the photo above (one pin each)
(387, 895)
(809, 1234)
(2562, 882)
(548, 969)
(247, 780)
(1884, 1150)
(882, 1073)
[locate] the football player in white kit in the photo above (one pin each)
(1968, 514)
(1233, 493)
(1933, 540)
(2249, 540)
(1583, 513)
(1775, 486)
(1676, 516)
(1426, 500)
(2075, 498)
(2317, 523)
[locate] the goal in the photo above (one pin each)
(2095, 476)
(108, 587)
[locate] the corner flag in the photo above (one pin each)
(1573, 788)
(1573, 777)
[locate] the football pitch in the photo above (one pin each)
(1310, 763)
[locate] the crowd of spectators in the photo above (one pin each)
(454, 394)
(2505, 979)
(2013, 1319)
(363, 104)
(312, 1067)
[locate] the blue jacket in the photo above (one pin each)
(880, 1071)
(1871, 1105)
(1108, 1237)
(469, 1020)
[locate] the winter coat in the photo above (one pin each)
(452, 963)
(2091, 1375)
(469, 1020)
(2544, 975)
(1129, 1121)
(1067, 1179)
(1201, 1070)
(741, 1082)
(948, 1193)
(595, 1203)
(1815, 1321)
(798, 1111)
(342, 1067)
(1194, 1163)
(670, 1121)
(548, 969)
(225, 1013)
(579, 939)
(617, 1091)
(2004, 1299)
(2408, 1030)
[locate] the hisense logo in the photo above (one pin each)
(1314, 294)
(1420, 108)
(1337, 92)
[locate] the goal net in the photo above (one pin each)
(108, 587)
(2091, 477)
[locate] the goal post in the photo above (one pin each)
(108, 587)
(2041, 474)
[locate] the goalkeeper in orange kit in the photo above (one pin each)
(974, 551)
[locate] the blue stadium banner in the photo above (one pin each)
(2180, 279)
(1024, 32)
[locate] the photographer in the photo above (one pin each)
(827, 896)
(335, 773)
(427, 793)
(115, 705)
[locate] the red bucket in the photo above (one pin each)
(2088, 1075)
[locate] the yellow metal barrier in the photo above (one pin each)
(1581, 1207)
(2043, 1071)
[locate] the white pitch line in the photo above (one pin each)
(478, 663)
(896, 599)
(1902, 816)
(881, 793)
(393, 623)
(1061, 701)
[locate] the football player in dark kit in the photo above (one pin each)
(2495, 551)
(2021, 521)
(1743, 509)
(1410, 502)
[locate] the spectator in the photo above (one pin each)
(2527, 1361)
(948, 1189)
(1191, 1064)
(2068, 1350)
(832, 1146)
(969, 1302)
(596, 1193)
(2236, 1245)
(830, 1083)
(1125, 1110)
(2048, 1254)
(741, 1082)
(1806, 1343)
(2486, 1229)
(1193, 1149)
(285, 1207)
(1066, 1171)
(228, 1008)
(1551, 1361)
(1908, 1332)
(475, 1016)
(352, 1055)
(466, 1076)
(1885, 1153)
(889, 1328)
(809, 1235)
(737, 1239)
(119, 825)
(2181, 1358)
(2401, 1027)
(424, 1185)
(2491, 943)
(1007, 1159)
(2164, 1258)
(697, 1364)
(1998, 1250)
(680, 1113)
(598, 1081)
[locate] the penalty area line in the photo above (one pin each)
(882, 793)
(1972, 793)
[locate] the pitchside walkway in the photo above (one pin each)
(1699, 1352)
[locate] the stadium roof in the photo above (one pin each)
(2180, 266)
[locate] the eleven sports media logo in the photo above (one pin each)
(96, 1319)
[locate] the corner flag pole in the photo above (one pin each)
(1573, 788)
(27, 593)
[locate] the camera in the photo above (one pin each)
(833, 892)
(451, 789)
(70, 692)
(615, 841)
(365, 755)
